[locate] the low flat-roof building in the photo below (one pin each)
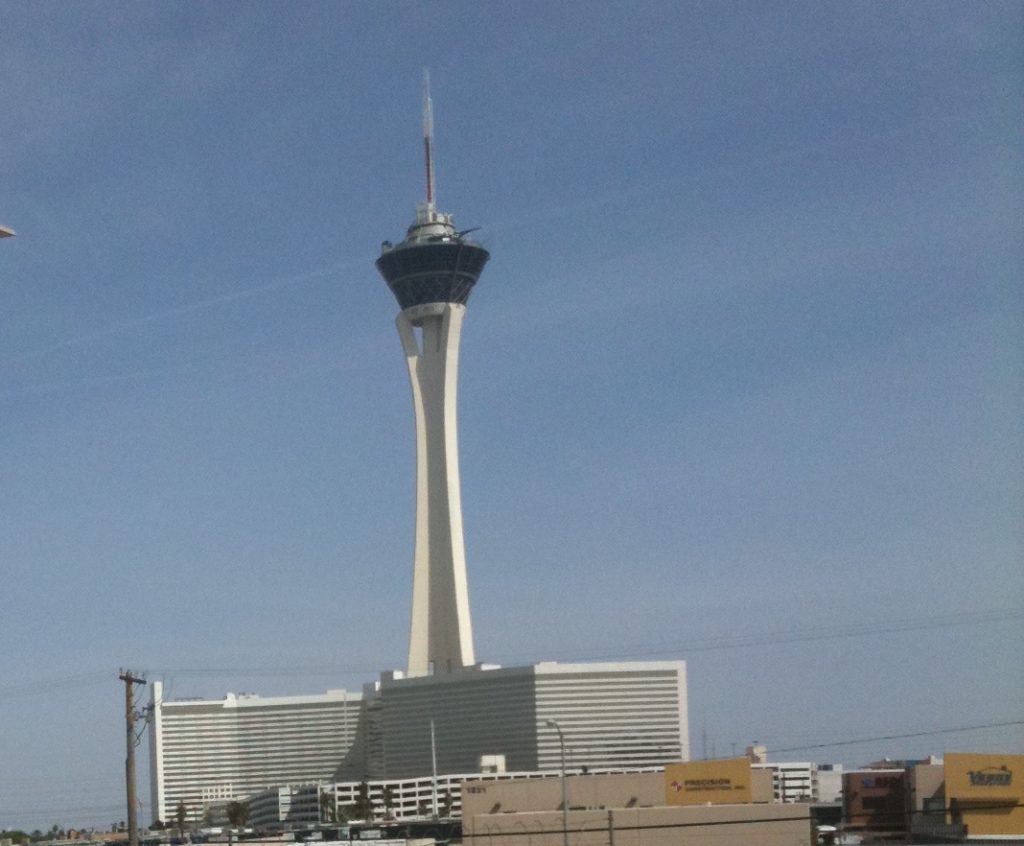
(792, 781)
(874, 802)
(717, 803)
(400, 800)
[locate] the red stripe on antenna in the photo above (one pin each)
(428, 134)
(429, 155)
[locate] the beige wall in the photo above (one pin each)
(545, 794)
(625, 790)
(761, 787)
(699, 825)
(925, 782)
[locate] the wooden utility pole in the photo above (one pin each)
(129, 762)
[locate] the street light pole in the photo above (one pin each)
(433, 768)
(565, 784)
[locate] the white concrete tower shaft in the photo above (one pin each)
(441, 636)
(431, 274)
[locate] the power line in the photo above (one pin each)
(44, 686)
(51, 811)
(904, 736)
(743, 641)
(680, 649)
(757, 639)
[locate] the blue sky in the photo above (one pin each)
(742, 383)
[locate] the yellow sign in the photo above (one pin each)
(983, 776)
(721, 782)
(986, 793)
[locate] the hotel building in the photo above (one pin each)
(612, 716)
(206, 752)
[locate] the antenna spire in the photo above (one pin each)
(428, 135)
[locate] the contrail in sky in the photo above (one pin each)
(178, 311)
(551, 212)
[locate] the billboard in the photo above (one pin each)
(986, 793)
(983, 776)
(720, 782)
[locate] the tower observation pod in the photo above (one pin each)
(431, 274)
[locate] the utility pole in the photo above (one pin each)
(129, 762)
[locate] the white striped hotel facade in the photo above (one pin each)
(612, 715)
(206, 752)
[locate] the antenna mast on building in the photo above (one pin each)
(428, 136)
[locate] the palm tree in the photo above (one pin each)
(363, 806)
(238, 813)
(327, 808)
(180, 815)
(238, 816)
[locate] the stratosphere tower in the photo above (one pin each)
(431, 273)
